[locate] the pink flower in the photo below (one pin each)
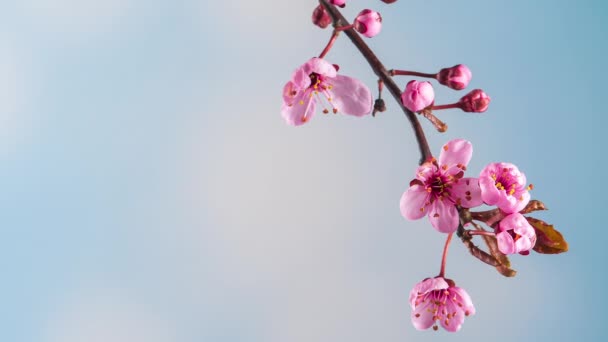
(503, 185)
(316, 80)
(475, 102)
(515, 235)
(456, 77)
(320, 17)
(439, 186)
(368, 23)
(418, 95)
(439, 299)
(340, 3)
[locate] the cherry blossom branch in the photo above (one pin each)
(383, 74)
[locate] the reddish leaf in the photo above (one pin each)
(548, 240)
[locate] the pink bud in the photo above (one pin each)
(340, 3)
(475, 102)
(388, 1)
(418, 95)
(320, 17)
(456, 77)
(368, 23)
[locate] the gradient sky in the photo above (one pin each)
(151, 191)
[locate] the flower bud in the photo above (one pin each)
(320, 17)
(475, 102)
(339, 3)
(379, 106)
(456, 77)
(388, 1)
(368, 23)
(418, 95)
(515, 235)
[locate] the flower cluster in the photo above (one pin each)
(442, 189)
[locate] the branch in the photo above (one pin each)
(382, 73)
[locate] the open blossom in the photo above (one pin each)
(503, 185)
(439, 186)
(318, 81)
(439, 299)
(418, 95)
(515, 235)
(368, 23)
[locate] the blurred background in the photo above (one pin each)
(150, 190)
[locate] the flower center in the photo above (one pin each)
(320, 86)
(505, 181)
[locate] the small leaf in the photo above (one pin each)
(548, 240)
(533, 205)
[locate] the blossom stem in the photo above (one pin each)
(382, 73)
(447, 106)
(380, 88)
(329, 45)
(479, 232)
(394, 72)
(444, 257)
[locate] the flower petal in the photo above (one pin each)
(513, 203)
(300, 78)
(350, 96)
(523, 244)
(413, 201)
(422, 318)
(463, 297)
(467, 192)
(489, 193)
(301, 111)
(506, 245)
(453, 323)
(457, 151)
(320, 66)
(444, 216)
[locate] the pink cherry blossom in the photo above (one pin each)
(503, 185)
(439, 186)
(475, 102)
(515, 235)
(439, 299)
(418, 95)
(318, 81)
(456, 77)
(368, 23)
(339, 3)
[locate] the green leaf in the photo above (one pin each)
(548, 240)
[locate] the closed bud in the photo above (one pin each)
(388, 1)
(379, 106)
(418, 95)
(368, 23)
(456, 77)
(475, 102)
(339, 3)
(320, 17)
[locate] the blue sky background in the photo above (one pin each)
(151, 191)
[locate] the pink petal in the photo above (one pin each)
(467, 192)
(422, 319)
(350, 96)
(298, 114)
(444, 216)
(489, 193)
(320, 66)
(513, 203)
(300, 78)
(506, 245)
(457, 151)
(454, 323)
(464, 298)
(413, 201)
(523, 244)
